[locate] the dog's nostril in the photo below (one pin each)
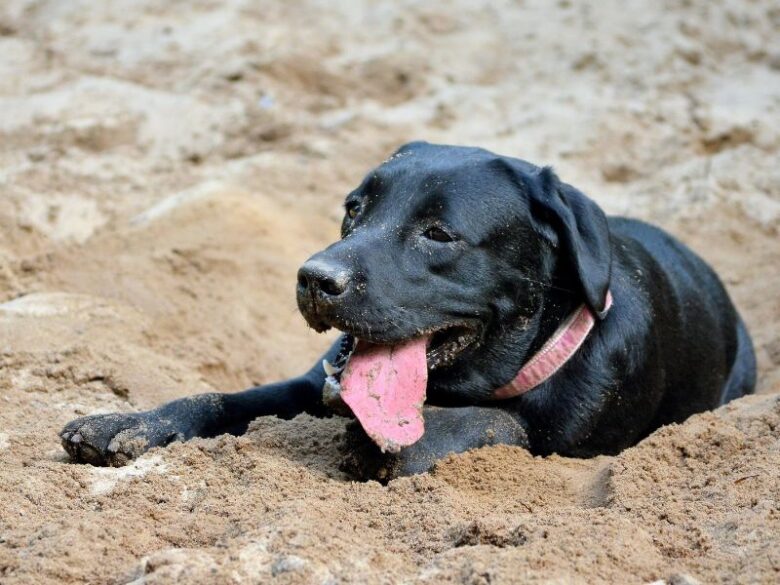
(303, 281)
(331, 286)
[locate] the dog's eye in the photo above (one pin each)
(437, 234)
(352, 209)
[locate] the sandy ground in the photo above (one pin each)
(164, 169)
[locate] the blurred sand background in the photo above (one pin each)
(166, 166)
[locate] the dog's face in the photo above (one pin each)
(456, 245)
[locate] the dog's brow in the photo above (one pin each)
(375, 180)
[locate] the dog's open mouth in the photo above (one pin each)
(442, 347)
(446, 344)
(384, 385)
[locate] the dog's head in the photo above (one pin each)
(461, 247)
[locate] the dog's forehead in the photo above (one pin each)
(425, 158)
(453, 177)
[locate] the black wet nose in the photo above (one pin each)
(320, 276)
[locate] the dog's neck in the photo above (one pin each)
(561, 300)
(562, 327)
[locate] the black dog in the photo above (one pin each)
(484, 257)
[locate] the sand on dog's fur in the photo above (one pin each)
(165, 169)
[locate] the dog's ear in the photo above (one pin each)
(582, 232)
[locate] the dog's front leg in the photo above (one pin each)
(114, 439)
(447, 430)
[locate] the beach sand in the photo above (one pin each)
(166, 167)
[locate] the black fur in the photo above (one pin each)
(444, 235)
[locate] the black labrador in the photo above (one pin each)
(485, 257)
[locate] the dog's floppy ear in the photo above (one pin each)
(582, 231)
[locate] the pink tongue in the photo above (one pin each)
(384, 385)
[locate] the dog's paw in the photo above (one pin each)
(364, 461)
(115, 439)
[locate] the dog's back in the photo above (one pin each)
(714, 359)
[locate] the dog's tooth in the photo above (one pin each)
(330, 369)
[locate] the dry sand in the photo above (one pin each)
(165, 167)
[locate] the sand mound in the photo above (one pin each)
(165, 169)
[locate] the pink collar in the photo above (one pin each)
(556, 351)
